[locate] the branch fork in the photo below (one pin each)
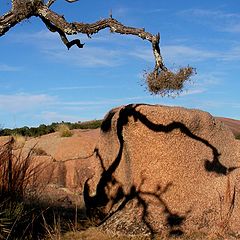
(24, 9)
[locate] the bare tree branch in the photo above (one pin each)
(50, 2)
(115, 26)
(71, 1)
(23, 9)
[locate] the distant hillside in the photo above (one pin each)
(233, 124)
(46, 129)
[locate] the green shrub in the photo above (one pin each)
(88, 124)
(46, 129)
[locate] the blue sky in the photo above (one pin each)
(42, 82)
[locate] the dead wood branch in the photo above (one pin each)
(24, 9)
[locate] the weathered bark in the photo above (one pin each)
(23, 9)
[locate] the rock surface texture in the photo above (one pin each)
(57, 166)
(67, 160)
(165, 169)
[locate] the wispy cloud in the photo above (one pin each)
(218, 104)
(192, 92)
(120, 11)
(53, 116)
(218, 19)
(87, 57)
(8, 68)
(91, 56)
(24, 102)
(198, 12)
(35, 38)
(70, 88)
(144, 54)
(234, 28)
(104, 101)
(209, 79)
(186, 52)
(75, 88)
(177, 54)
(181, 54)
(155, 10)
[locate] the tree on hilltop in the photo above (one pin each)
(160, 81)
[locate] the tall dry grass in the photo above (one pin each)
(16, 178)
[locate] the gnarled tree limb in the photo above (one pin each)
(23, 9)
(115, 26)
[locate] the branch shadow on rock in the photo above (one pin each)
(101, 198)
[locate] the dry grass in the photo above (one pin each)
(94, 233)
(64, 130)
(19, 141)
(16, 175)
(39, 151)
(167, 83)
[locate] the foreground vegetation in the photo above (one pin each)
(46, 129)
(23, 215)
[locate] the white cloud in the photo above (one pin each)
(191, 92)
(35, 38)
(181, 54)
(103, 50)
(24, 102)
(52, 116)
(234, 28)
(103, 101)
(218, 104)
(86, 57)
(8, 68)
(70, 88)
(177, 54)
(145, 54)
(207, 79)
(232, 55)
(198, 12)
(82, 108)
(52, 47)
(220, 20)
(120, 12)
(76, 88)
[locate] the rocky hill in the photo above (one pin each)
(233, 124)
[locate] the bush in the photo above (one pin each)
(46, 129)
(19, 141)
(87, 125)
(64, 130)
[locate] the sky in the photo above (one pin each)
(43, 82)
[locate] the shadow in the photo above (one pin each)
(101, 199)
(25, 213)
(41, 220)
